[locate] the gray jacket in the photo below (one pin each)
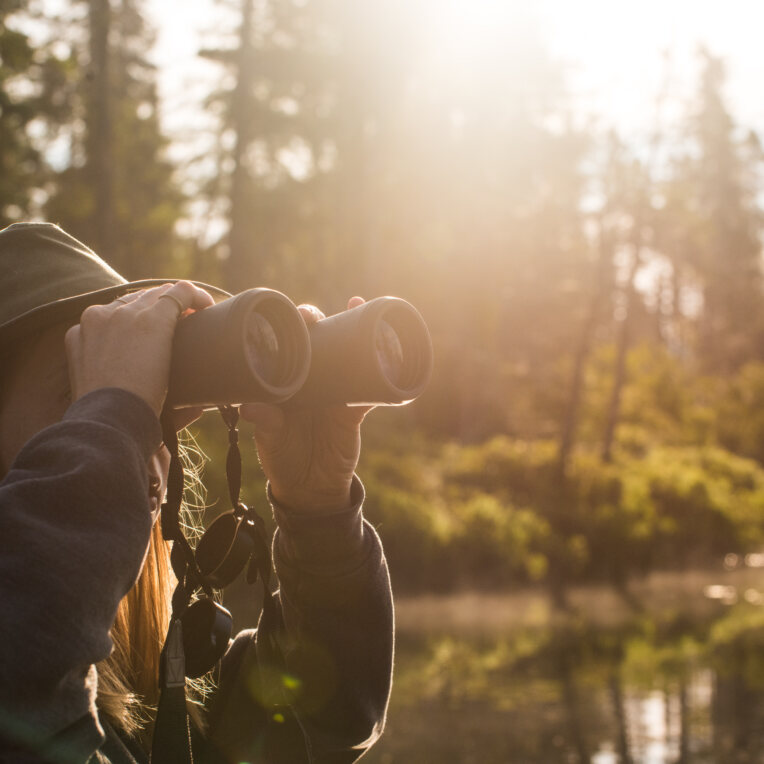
(74, 529)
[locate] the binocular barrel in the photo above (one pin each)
(251, 347)
(256, 347)
(377, 353)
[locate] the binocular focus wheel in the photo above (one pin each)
(207, 629)
(224, 549)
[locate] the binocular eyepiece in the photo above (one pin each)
(256, 347)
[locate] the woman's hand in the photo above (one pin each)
(127, 343)
(309, 455)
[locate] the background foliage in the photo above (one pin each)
(596, 307)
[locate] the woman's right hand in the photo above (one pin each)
(309, 455)
(127, 343)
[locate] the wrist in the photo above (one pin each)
(325, 543)
(123, 410)
(311, 501)
(153, 401)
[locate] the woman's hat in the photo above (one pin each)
(48, 277)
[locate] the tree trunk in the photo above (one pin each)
(624, 340)
(100, 155)
(572, 703)
(619, 710)
(570, 419)
(684, 724)
(238, 269)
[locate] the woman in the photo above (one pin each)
(84, 576)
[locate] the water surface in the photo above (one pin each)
(672, 673)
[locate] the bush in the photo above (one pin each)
(494, 514)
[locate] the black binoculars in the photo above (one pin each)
(256, 347)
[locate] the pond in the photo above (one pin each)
(672, 673)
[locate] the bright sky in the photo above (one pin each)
(619, 47)
(615, 49)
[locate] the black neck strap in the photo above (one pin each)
(235, 540)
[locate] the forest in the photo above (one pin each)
(595, 305)
(572, 511)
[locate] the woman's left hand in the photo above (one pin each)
(309, 455)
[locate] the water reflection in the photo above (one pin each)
(674, 687)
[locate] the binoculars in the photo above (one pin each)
(255, 347)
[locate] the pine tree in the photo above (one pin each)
(274, 78)
(301, 111)
(712, 226)
(118, 191)
(33, 89)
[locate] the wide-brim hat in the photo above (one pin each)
(49, 277)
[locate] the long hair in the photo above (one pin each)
(128, 680)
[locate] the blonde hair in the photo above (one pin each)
(128, 680)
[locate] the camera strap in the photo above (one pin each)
(200, 629)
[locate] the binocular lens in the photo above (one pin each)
(390, 353)
(256, 347)
(262, 348)
(251, 347)
(376, 353)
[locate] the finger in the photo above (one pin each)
(126, 299)
(146, 297)
(182, 296)
(185, 417)
(310, 314)
(190, 295)
(354, 302)
(71, 338)
(267, 419)
(72, 346)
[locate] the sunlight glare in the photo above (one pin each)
(461, 39)
(464, 26)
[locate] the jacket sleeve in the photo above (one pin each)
(75, 522)
(337, 610)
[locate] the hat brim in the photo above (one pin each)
(70, 309)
